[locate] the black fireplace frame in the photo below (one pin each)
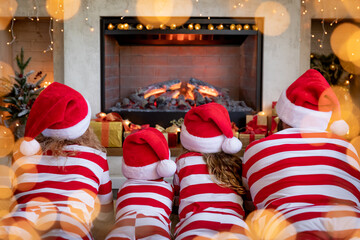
(237, 38)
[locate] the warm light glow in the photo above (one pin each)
(154, 92)
(261, 113)
(220, 27)
(7, 141)
(190, 26)
(7, 11)
(197, 26)
(211, 27)
(139, 26)
(208, 91)
(162, 12)
(6, 82)
(62, 9)
(173, 26)
(345, 42)
(232, 27)
(269, 224)
(276, 15)
(126, 26)
(238, 27)
(110, 26)
(102, 114)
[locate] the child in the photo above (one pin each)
(308, 177)
(144, 202)
(57, 192)
(208, 177)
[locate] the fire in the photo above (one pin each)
(187, 90)
(204, 90)
(154, 92)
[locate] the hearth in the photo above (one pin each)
(154, 75)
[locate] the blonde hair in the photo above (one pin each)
(56, 145)
(227, 170)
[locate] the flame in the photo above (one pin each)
(175, 86)
(208, 91)
(154, 92)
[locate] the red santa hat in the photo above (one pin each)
(146, 156)
(59, 112)
(309, 102)
(207, 129)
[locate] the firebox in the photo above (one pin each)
(154, 74)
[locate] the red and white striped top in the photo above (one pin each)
(302, 167)
(73, 182)
(145, 196)
(198, 191)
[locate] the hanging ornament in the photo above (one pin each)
(110, 27)
(238, 27)
(126, 26)
(197, 26)
(332, 67)
(149, 27)
(190, 26)
(120, 26)
(220, 27)
(139, 26)
(255, 28)
(312, 56)
(246, 27)
(173, 26)
(232, 27)
(211, 27)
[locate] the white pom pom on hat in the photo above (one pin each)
(309, 102)
(146, 156)
(59, 112)
(207, 129)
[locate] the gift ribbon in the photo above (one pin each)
(274, 124)
(253, 128)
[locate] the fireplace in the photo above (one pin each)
(223, 55)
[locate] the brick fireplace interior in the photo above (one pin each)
(133, 59)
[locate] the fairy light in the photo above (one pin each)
(12, 32)
(87, 16)
(51, 30)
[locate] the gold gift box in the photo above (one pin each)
(108, 133)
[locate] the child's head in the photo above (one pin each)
(207, 129)
(58, 112)
(146, 156)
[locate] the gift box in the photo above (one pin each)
(256, 128)
(170, 134)
(108, 133)
(274, 125)
(108, 129)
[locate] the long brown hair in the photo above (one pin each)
(56, 145)
(227, 170)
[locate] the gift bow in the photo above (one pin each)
(135, 128)
(253, 128)
(110, 117)
(274, 125)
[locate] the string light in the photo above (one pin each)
(51, 30)
(87, 16)
(12, 32)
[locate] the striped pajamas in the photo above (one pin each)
(206, 209)
(143, 208)
(58, 197)
(310, 179)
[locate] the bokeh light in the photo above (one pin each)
(7, 11)
(356, 143)
(7, 141)
(351, 67)
(276, 16)
(6, 82)
(269, 224)
(345, 100)
(62, 9)
(162, 12)
(46, 218)
(6, 181)
(15, 233)
(345, 42)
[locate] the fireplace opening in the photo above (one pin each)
(156, 75)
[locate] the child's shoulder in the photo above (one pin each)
(85, 149)
(190, 154)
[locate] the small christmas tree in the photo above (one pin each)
(23, 94)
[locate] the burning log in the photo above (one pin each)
(175, 95)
